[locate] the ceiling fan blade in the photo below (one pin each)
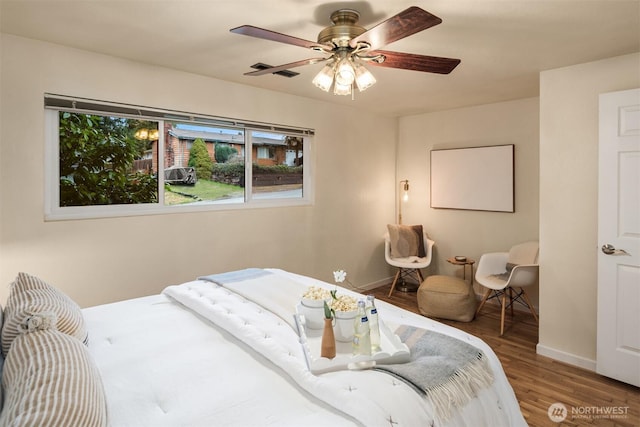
(272, 70)
(261, 33)
(404, 24)
(410, 61)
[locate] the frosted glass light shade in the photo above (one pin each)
(364, 79)
(340, 89)
(324, 78)
(345, 74)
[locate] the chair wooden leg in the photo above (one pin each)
(526, 298)
(504, 303)
(420, 276)
(395, 280)
(484, 299)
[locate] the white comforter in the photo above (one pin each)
(374, 398)
(165, 365)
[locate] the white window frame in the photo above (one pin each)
(54, 212)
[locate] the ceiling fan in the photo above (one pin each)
(348, 46)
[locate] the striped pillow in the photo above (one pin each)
(50, 379)
(1, 356)
(31, 295)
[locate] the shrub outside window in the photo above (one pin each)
(102, 161)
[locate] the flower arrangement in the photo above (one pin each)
(342, 302)
(329, 300)
(344, 308)
(340, 276)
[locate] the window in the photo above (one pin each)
(114, 160)
(265, 153)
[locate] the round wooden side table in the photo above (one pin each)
(467, 261)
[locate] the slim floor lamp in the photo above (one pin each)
(403, 196)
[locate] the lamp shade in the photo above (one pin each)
(364, 79)
(324, 78)
(345, 74)
(340, 89)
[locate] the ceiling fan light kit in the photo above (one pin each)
(342, 74)
(349, 45)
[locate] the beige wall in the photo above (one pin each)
(104, 260)
(463, 232)
(569, 201)
(96, 262)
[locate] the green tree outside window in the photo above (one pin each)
(97, 157)
(200, 160)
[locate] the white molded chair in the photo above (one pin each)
(408, 266)
(508, 273)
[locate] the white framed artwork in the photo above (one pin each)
(473, 178)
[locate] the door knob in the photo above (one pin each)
(611, 250)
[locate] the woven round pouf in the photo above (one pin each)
(447, 297)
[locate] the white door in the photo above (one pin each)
(618, 353)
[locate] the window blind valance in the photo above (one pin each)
(62, 102)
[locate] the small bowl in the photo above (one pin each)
(460, 258)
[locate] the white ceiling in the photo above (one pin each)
(503, 44)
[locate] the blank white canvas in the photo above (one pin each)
(475, 178)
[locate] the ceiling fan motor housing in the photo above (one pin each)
(345, 27)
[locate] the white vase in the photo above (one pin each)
(344, 325)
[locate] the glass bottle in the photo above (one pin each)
(361, 335)
(374, 325)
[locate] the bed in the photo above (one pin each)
(221, 350)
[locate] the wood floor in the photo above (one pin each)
(539, 381)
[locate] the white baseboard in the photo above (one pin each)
(559, 355)
(565, 357)
(373, 285)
